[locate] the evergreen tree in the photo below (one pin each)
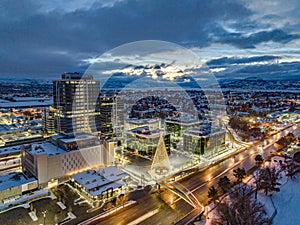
(269, 180)
(291, 169)
(224, 184)
(213, 194)
(240, 174)
(258, 160)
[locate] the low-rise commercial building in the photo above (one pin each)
(25, 102)
(64, 155)
(10, 153)
(152, 123)
(143, 140)
(207, 141)
(101, 184)
(176, 126)
(13, 185)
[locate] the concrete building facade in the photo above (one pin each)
(61, 157)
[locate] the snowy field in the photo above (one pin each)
(287, 202)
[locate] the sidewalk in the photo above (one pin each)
(44, 193)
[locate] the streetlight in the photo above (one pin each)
(44, 214)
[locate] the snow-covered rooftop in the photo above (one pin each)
(29, 99)
(10, 150)
(98, 181)
(142, 121)
(13, 180)
(45, 148)
(146, 132)
(184, 119)
(78, 137)
(204, 131)
(22, 102)
(8, 128)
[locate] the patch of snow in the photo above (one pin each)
(33, 216)
(61, 205)
(71, 215)
(287, 202)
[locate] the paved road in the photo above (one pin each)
(198, 183)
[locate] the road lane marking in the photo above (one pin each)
(144, 217)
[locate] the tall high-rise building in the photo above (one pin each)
(48, 120)
(111, 119)
(75, 98)
(118, 119)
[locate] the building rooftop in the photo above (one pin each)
(146, 132)
(56, 144)
(112, 173)
(44, 148)
(77, 141)
(76, 76)
(4, 128)
(204, 131)
(142, 121)
(98, 181)
(13, 180)
(14, 149)
(78, 137)
(18, 138)
(30, 99)
(184, 119)
(26, 104)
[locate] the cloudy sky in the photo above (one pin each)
(45, 38)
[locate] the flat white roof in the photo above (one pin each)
(98, 181)
(10, 150)
(25, 104)
(142, 121)
(19, 137)
(45, 148)
(204, 132)
(112, 173)
(13, 179)
(26, 99)
(77, 137)
(107, 187)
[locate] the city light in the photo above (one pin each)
(182, 112)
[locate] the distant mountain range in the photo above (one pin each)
(24, 80)
(228, 68)
(223, 69)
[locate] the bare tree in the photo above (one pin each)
(258, 160)
(257, 183)
(268, 178)
(240, 174)
(224, 184)
(241, 210)
(213, 194)
(290, 168)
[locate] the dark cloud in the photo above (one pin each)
(242, 41)
(235, 60)
(38, 42)
(268, 71)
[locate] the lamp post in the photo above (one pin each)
(44, 215)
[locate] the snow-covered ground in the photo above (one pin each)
(287, 201)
